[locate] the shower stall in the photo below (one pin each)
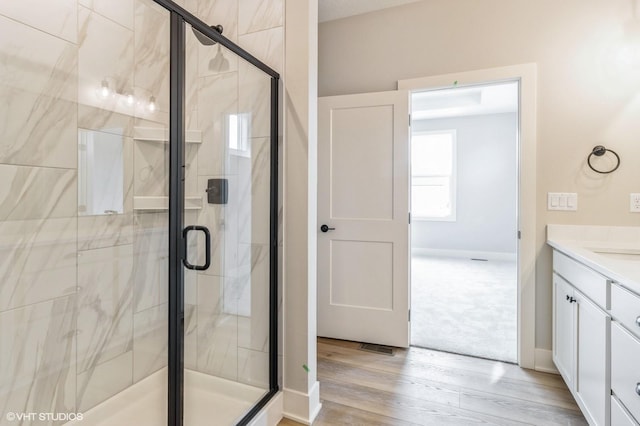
(138, 217)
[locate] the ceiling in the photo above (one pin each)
(329, 10)
(464, 101)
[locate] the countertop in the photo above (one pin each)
(578, 242)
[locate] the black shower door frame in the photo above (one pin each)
(179, 18)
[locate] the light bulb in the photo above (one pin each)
(104, 89)
(130, 99)
(152, 104)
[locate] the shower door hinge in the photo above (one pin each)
(519, 235)
(409, 315)
(409, 120)
(409, 218)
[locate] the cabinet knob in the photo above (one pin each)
(638, 388)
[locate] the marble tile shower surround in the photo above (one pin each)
(105, 304)
(120, 11)
(105, 323)
(37, 261)
(257, 15)
(217, 97)
(57, 18)
(38, 88)
(83, 298)
(105, 53)
(150, 254)
(152, 56)
(38, 373)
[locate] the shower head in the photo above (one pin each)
(206, 41)
(219, 62)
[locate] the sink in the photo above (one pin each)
(619, 254)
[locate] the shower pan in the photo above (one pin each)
(138, 228)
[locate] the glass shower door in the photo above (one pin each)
(227, 226)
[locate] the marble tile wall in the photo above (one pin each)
(38, 207)
(105, 323)
(83, 298)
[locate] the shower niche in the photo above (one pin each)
(152, 142)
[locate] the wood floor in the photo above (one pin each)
(424, 387)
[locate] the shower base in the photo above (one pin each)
(208, 400)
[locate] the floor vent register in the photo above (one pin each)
(379, 349)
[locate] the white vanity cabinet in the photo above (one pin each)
(625, 349)
(592, 384)
(581, 328)
(596, 319)
(563, 329)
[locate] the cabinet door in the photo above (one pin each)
(563, 329)
(592, 362)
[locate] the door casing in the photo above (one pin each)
(525, 74)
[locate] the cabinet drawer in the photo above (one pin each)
(619, 416)
(625, 374)
(625, 308)
(589, 282)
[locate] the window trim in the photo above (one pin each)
(453, 178)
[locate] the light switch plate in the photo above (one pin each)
(634, 203)
(564, 201)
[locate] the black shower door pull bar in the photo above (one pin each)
(207, 245)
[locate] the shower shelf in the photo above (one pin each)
(161, 135)
(162, 203)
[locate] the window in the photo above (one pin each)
(433, 175)
(238, 134)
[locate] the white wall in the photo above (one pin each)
(486, 186)
(301, 388)
(585, 97)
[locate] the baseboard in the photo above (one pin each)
(544, 361)
(469, 254)
(271, 414)
(301, 407)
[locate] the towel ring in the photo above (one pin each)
(599, 151)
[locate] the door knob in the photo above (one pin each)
(325, 228)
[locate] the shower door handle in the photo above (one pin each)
(207, 247)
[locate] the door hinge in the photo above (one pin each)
(519, 235)
(409, 120)
(409, 218)
(409, 315)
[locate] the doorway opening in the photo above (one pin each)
(464, 231)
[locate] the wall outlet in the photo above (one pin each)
(565, 201)
(634, 205)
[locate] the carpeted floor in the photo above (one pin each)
(465, 306)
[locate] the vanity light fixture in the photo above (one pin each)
(130, 99)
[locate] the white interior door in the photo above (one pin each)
(363, 192)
